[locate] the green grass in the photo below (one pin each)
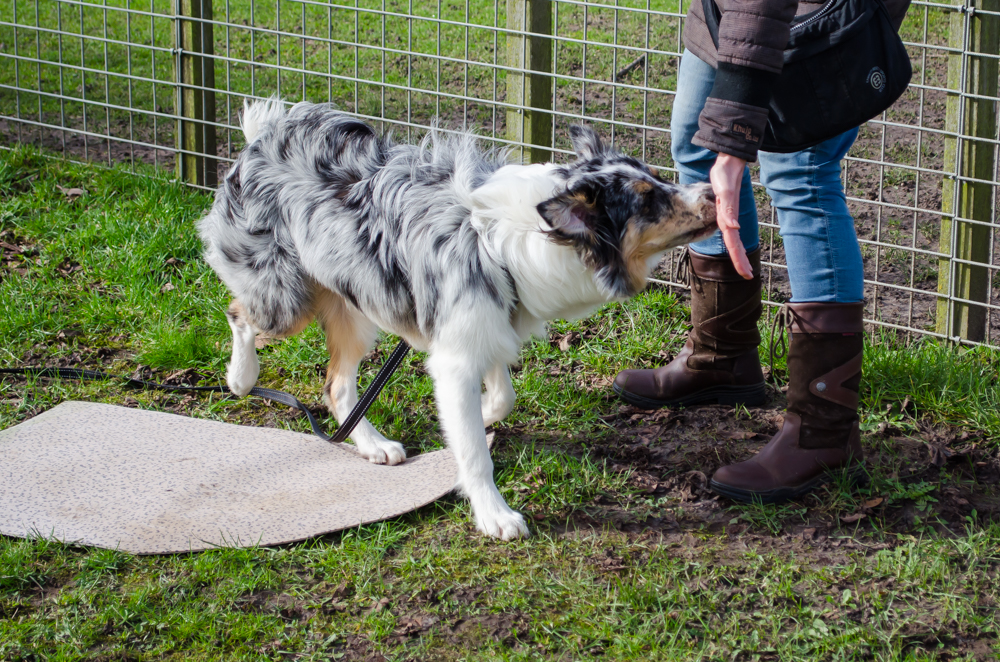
(330, 54)
(426, 586)
(948, 386)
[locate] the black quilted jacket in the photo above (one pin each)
(752, 38)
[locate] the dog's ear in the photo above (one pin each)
(571, 215)
(586, 142)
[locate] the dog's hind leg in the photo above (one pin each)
(457, 387)
(498, 400)
(349, 336)
(243, 367)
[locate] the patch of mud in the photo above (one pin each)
(457, 618)
(272, 602)
(17, 255)
(929, 479)
(78, 147)
(454, 618)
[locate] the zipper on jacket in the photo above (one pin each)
(812, 19)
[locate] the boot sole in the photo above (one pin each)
(752, 395)
(857, 475)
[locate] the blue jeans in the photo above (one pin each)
(821, 247)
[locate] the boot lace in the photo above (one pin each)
(682, 268)
(780, 323)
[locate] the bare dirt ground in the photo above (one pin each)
(671, 454)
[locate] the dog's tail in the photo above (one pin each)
(259, 113)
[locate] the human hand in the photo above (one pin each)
(726, 177)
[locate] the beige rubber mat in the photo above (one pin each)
(152, 483)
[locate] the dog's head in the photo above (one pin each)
(620, 216)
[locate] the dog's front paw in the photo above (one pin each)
(384, 452)
(504, 525)
(242, 376)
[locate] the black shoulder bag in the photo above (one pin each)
(844, 65)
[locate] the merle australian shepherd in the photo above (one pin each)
(450, 247)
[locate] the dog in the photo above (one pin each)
(446, 245)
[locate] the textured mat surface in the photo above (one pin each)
(149, 483)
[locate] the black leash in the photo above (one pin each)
(367, 398)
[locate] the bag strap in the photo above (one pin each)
(345, 429)
(713, 16)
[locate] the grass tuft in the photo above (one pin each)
(948, 384)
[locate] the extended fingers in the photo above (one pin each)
(737, 253)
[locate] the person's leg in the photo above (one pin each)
(719, 363)
(820, 435)
(817, 230)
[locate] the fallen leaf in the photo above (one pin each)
(142, 372)
(71, 193)
(379, 606)
(414, 624)
(343, 590)
(331, 606)
(873, 502)
(937, 455)
(186, 377)
(68, 267)
(167, 288)
(568, 341)
(591, 383)
(851, 519)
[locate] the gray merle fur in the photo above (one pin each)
(319, 197)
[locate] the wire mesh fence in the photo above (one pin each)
(161, 82)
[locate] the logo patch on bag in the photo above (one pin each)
(876, 78)
(746, 131)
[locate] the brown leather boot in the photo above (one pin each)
(719, 363)
(820, 436)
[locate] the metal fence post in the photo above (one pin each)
(196, 143)
(530, 121)
(970, 112)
